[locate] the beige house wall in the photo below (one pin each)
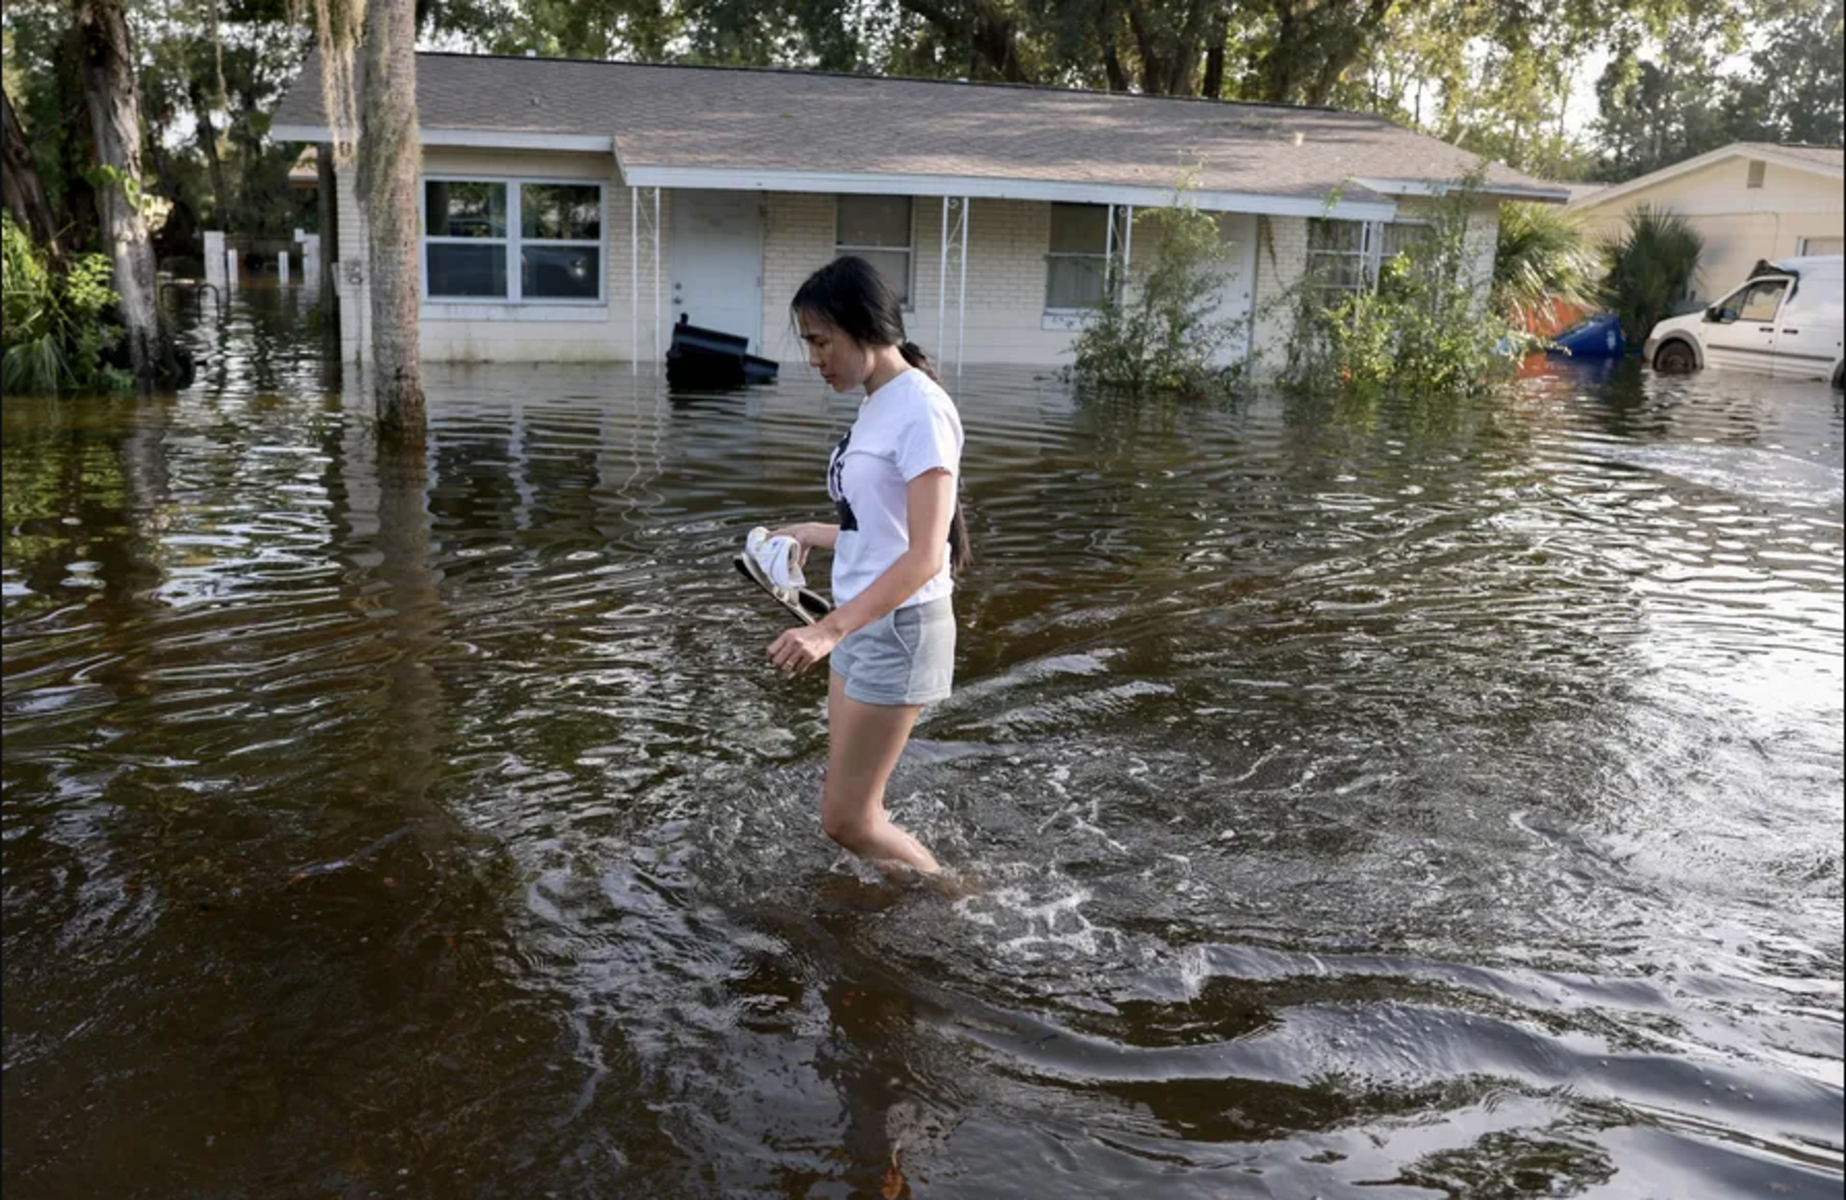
(1741, 225)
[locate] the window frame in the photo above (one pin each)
(515, 239)
(909, 250)
(1371, 252)
(1114, 223)
(1788, 292)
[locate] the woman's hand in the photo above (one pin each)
(797, 650)
(808, 535)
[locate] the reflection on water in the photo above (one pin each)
(1368, 801)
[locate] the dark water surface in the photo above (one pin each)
(1380, 803)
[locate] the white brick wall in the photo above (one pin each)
(510, 333)
(797, 240)
(1003, 322)
(1281, 260)
(1007, 241)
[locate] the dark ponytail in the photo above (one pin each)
(913, 354)
(850, 295)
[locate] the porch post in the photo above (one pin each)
(961, 299)
(636, 213)
(942, 285)
(1108, 253)
(634, 279)
(656, 232)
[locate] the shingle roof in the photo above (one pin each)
(740, 118)
(1826, 156)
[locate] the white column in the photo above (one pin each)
(942, 286)
(961, 298)
(310, 262)
(634, 279)
(232, 271)
(282, 268)
(214, 258)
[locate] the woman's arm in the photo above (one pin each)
(811, 535)
(929, 503)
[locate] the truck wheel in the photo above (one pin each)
(1675, 358)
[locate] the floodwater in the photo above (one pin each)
(1390, 802)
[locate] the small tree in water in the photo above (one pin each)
(1650, 269)
(1159, 333)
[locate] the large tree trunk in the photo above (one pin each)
(1212, 86)
(991, 33)
(179, 235)
(208, 142)
(389, 159)
(20, 187)
(115, 118)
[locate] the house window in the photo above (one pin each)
(1345, 256)
(1340, 256)
(1758, 169)
(1821, 245)
(1404, 237)
(878, 229)
(561, 241)
(1077, 267)
(464, 233)
(512, 240)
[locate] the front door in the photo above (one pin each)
(716, 262)
(1740, 333)
(1238, 232)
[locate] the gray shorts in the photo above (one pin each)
(904, 657)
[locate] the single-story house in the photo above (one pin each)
(1750, 201)
(573, 210)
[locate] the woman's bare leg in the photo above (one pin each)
(865, 741)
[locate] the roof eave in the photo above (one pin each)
(996, 188)
(1498, 191)
(486, 139)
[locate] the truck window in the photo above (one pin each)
(1759, 301)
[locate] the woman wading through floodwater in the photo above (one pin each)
(899, 541)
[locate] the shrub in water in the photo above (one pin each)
(1159, 333)
(53, 328)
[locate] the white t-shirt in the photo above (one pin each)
(905, 428)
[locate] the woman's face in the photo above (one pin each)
(842, 362)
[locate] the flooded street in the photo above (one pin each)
(1367, 801)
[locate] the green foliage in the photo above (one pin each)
(1160, 334)
(53, 328)
(1541, 261)
(1684, 96)
(1649, 270)
(1420, 329)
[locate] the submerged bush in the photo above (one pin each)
(1650, 269)
(1421, 325)
(1159, 334)
(54, 328)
